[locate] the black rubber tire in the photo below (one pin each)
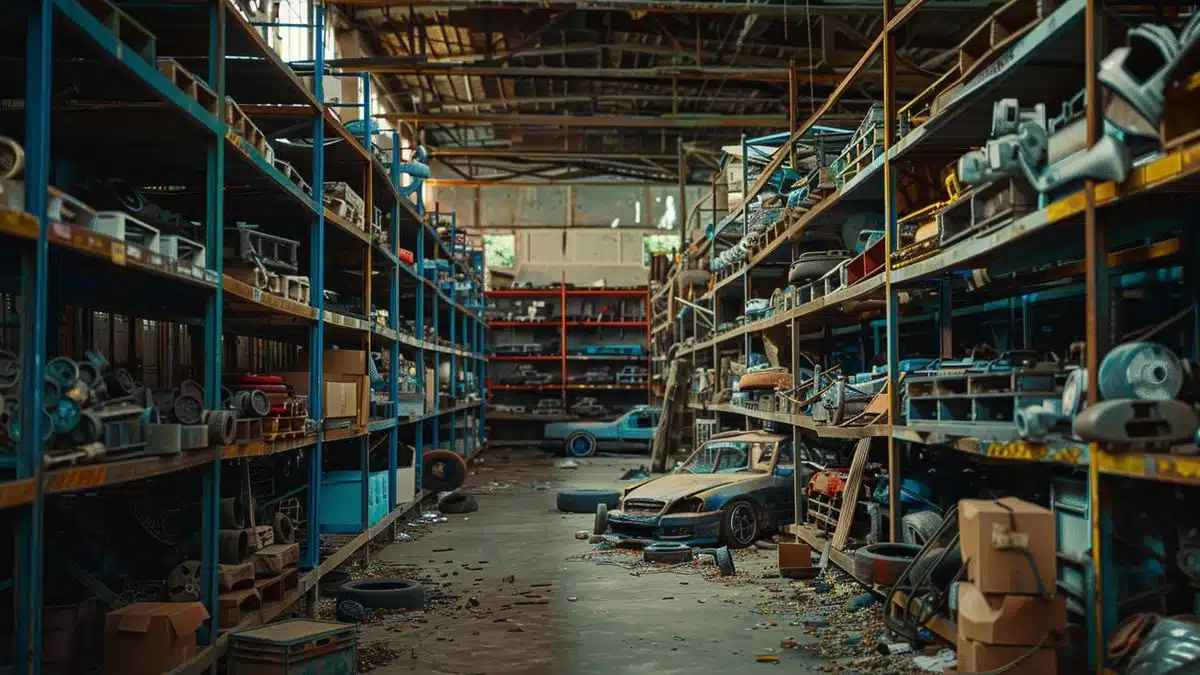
(349, 611)
(944, 573)
(443, 470)
(383, 593)
(724, 560)
(600, 525)
(919, 526)
(737, 509)
(585, 500)
(886, 561)
(667, 553)
(457, 502)
(232, 515)
(586, 442)
(284, 528)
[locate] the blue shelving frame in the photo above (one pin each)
(26, 485)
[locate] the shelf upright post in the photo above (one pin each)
(419, 265)
(214, 214)
(453, 332)
(891, 243)
(562, 339)
(34, 283)
(437, 354)
(945, 317)
(394, 324)
(366, 134)
(368, 304)
(745, 272)
(1097, 300)
(316, 340)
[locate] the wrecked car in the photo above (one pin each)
(632, 431)
(731, 490)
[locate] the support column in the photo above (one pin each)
(892, 240)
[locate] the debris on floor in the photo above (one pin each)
(567, 463)
(374, 654)
(640, 473)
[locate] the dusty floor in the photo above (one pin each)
(513, 592)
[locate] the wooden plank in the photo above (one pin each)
(850, 495)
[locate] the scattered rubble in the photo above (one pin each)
(376, 653)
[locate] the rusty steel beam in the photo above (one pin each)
(614, 121)
(564, 155)
(511, 101)
(779, 10)
(386, 65)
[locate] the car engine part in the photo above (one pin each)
(1126, 421)
(1140, 370)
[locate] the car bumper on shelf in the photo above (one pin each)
(693, 529)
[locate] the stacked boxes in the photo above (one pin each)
(1002, 612)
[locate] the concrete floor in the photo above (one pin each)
(528, 598)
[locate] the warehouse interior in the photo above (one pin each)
(548, 337)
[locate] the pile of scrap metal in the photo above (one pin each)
(526, 374)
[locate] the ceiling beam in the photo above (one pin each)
(511, 101)
(617, 121)
(381, 8)
(555, 155)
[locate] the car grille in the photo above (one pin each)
(643, 506)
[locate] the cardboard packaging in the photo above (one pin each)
(987, 526)
(976, 657)
(431, 389)
(149, 638)
(341, 399)
(1018, 620)
(338, 361)
(349, 395)
(794, 554)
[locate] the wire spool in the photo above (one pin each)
(183, 583)
(188, 409)
(10, 369)
(1074, 392)
(1141, 370)
(12, 159)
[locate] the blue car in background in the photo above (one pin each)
(632, 431)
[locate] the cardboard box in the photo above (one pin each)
(149, 638)
(976, 657)
(338, 361)
(1018, 620)
(349, 397)
(431, 388)
(341, 399)
(794, 554)
(986, 527)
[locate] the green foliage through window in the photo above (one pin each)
(500, 250)
(658, 244)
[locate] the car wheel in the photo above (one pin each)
(739, 524)
(581, 444)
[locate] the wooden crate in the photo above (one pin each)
(242, 126)
(275, 588)
(191, 85)
(127, 30)
(233, 607)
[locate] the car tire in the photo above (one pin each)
(600, 526)
(667, 553)
(580, 444)
(443, 470)
(586, 500)
(383, 593)
(739, 524)
(885, 562)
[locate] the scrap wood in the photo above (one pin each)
(850, 494)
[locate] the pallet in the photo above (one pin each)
(294, 287)
(242, 126)
(234, 606)
(191, 85)
(250, 429)
(127, 30)
(274, 589)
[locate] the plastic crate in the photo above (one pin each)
(341, 501)
(295, 647)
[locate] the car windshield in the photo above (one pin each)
(720, 457)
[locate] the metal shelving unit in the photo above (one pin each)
(564, 357)
(1071, 255)
(154, 134)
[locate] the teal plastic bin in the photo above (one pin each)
(341, 501)
(295, 647)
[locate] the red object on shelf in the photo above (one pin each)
(253, 380)
(866, 264)
(406, 256)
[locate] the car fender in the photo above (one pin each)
(715, 499)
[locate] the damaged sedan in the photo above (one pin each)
(736, 486)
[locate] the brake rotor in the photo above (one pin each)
(188, 409)
(183, 583)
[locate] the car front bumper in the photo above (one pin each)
(693, 529)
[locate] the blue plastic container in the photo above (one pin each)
(341, 501)
(295, 647)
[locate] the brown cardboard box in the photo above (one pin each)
(338, 361)
(1008, 619)
(149, 638)
(976, 657)
(341, 399)
(794, 554)
(431, 388)
(349, 397)
(983, 527)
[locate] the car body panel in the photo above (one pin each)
(621, 433)
(661, 508)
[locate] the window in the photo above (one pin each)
(785, 455)
(500, 250)
(658, 244)
(641, 420)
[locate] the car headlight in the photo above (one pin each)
(688, 505)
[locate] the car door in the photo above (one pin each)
(783, 484)
(637, 427)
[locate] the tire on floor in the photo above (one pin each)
(443, 470)
(383, 593)
(457, 502)
(585, 500)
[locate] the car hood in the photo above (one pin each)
(677, 485)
